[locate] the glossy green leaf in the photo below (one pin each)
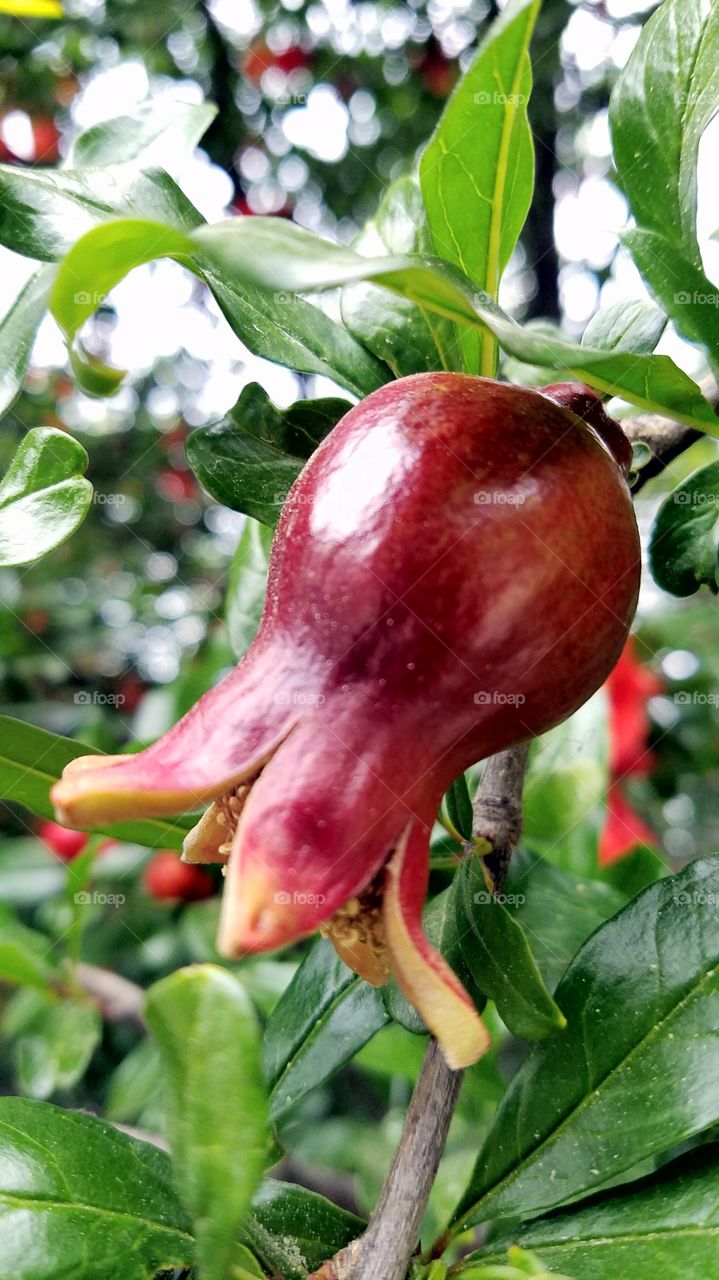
(162, 132)
(497, 954)
(32, 759)
(259, 252)
(245, 595)
(45, 207)
(666, 1225)
(637, 1068)
(53, 1041)
(408, 338)
(684, 544)
(44, 211)
(663, 101)
(678, 284)
(44, 496)
(458, 804)
(208, 1037)
(477, 171)
(324, 1017)
(250, 459)
(294, 1230)
(27, 958)
(279, 326)
(626, 326)
(557, 911)
(17, 333)
(69, 1181)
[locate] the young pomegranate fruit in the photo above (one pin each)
(454, 571)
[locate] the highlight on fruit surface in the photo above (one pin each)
(454, 571)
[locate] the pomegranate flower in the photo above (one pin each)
(454, 571)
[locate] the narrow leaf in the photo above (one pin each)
(250, 459)
(477, 172)
(32, 759)
(684, 544)
(635, 1072)
(324, 1017)
(208, 1037)
(66, 1179)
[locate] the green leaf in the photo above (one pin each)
(477, 171)
(250, 459)
(633, 1073)
(67, 1179)
(557, 911)
(408, 338)
(17, 333)
(247, 585)
(684, 544)
(53, 1043)
(163, 132)
(458, 804)
(324, 1017)
(684, 291)
(626, 326)
(661, 104)
(44, 496)
(278, 326)
(496, 952)
(294, 1230)
(259, 252)
(208, 1036)
(32, 760)
(666, 1225)
(26, 957)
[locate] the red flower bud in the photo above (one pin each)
(167, 878)
(455, 570)
(63, 843)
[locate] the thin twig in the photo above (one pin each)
(118, 999)
(498, 810)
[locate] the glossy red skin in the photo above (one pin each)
(65, 844)
(167, 879)
(454, 571)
